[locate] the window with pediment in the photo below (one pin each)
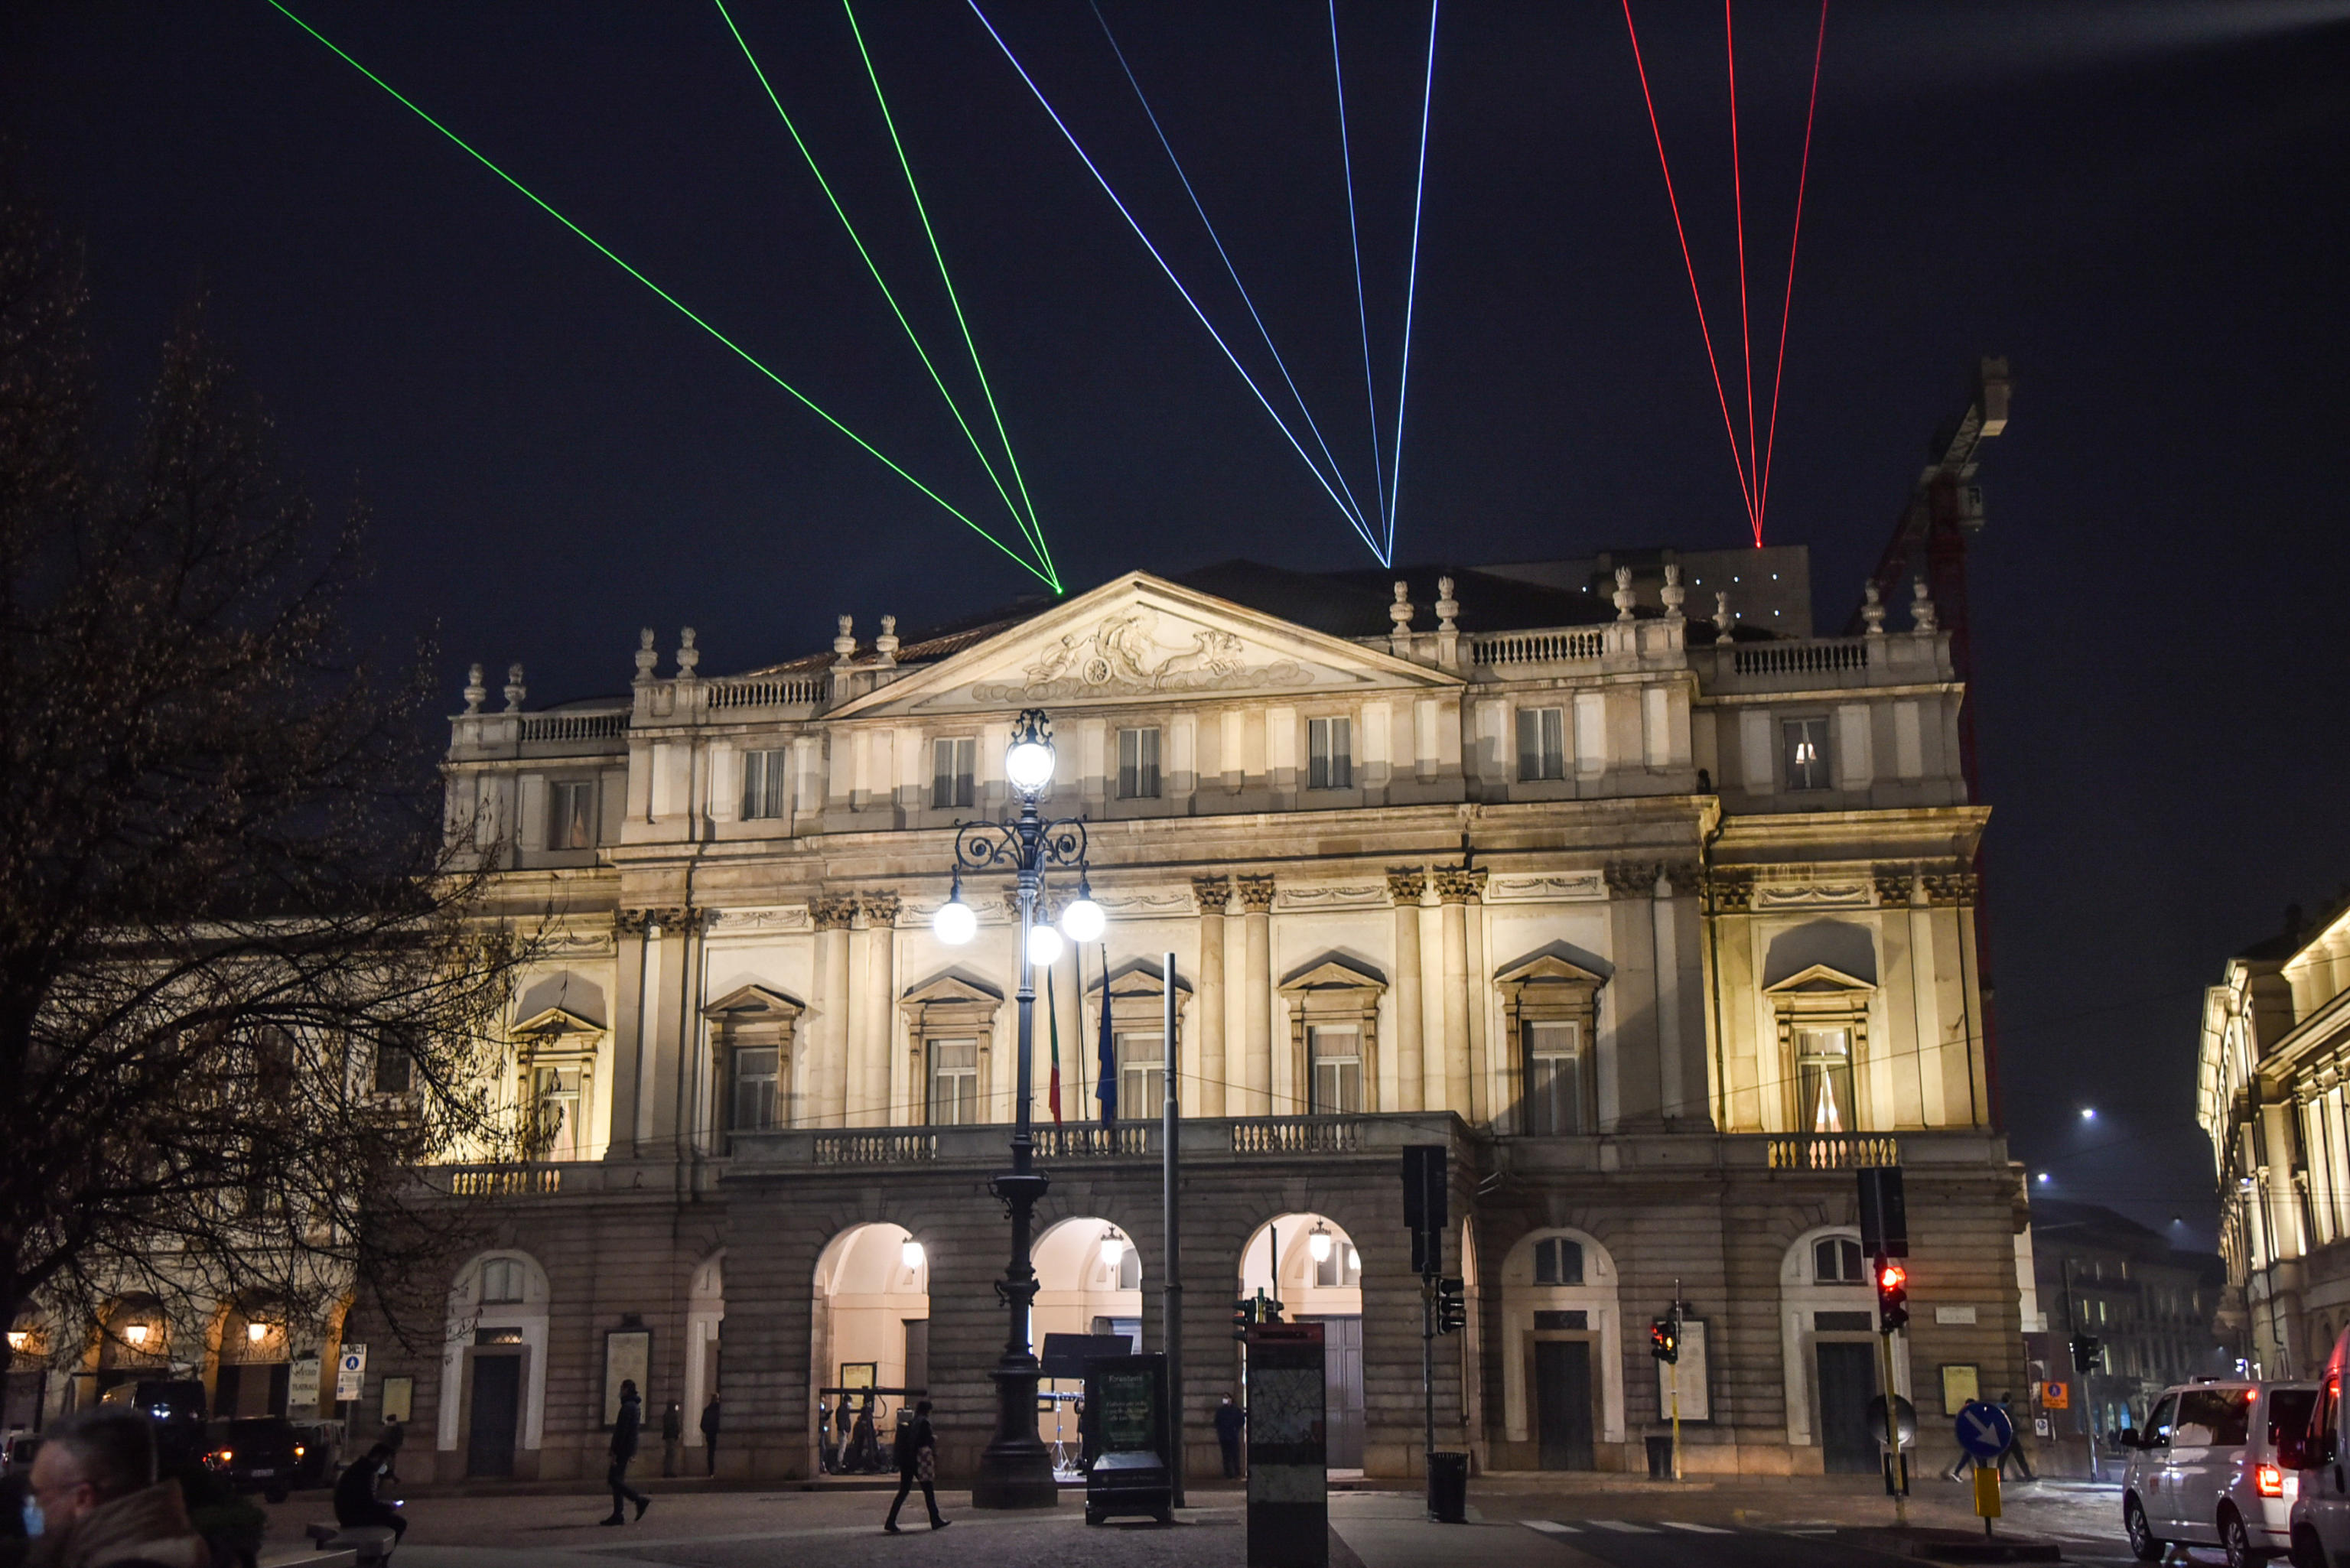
(556, 1083)
(1550, 1006)
(1138, 1027)
(1822, 1016)
(950, 1023)
(752, 1030)
(1334, 1030)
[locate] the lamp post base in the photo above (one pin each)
(1017, 1470)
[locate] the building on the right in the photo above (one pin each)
(2268, 1091)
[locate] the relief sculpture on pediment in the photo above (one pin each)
(1123, 657)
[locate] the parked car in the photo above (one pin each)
(2210, 1468)
(318, 1451)
(257, 1453)
(177, 1405)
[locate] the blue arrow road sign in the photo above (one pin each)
(1985, 1431)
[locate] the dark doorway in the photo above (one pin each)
(1563, 1403)
(1342, 1386)
(918, 1352)
(1848, 1383)
(497, 1403)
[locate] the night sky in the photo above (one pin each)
(2141, 204)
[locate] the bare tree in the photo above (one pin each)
(242, 996)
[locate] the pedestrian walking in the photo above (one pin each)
(2014, 1454)
(918, 1465)
(710, 1432)
(672, 1439)
(623, 1449)
(356, 1503)
(1229, 1419)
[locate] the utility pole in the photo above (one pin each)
(1171, 1311)
(1674, 1377)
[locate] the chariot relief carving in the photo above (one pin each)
(1123, 656)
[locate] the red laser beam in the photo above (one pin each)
(1745, 321)
(1786, 306)
(1745, 490)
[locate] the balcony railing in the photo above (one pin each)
(505, 1180)
(575, 726)
(887, 1147)
(1298, 1135)
(1824, 657)
(768, 691)
(1124, 1140)
(1833, 1153)
(1540, 647)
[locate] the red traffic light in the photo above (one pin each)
(1891, 1276)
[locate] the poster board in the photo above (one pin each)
(627, 1359)
(1961, 1387)
(302, 1383)
(400, 1399)
(1697, 1404)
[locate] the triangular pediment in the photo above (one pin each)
(951, 988)
(1141, 977)
(553, 1025)
(1817, 980)
(753, 1004)
(1548, 969)
(1331, 974)
(1143, 638)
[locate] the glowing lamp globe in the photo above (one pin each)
(1028, 764)
(136, 1332)
(1044, 945)
(1113, 1249)
(257, 1332)
(1317, 1242)
(955, 924)
(910, 1252)
(1083, 921)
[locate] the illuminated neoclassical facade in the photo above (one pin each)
(1661, 933)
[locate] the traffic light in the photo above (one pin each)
(1892, 1296)
(1665, 1340)
(1451, 1306)
(1243, 1314)
(2085, 1354)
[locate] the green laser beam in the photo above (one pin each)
(1027, 526)
(1036, 529)
(805, 401)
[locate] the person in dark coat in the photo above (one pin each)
(623, 1449)
(918, 1459)
(355, 1499)
(710, 1432)
(672, 1435)
(1229, 1419)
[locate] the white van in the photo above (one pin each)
(2206, 1469)
(2321, 1510)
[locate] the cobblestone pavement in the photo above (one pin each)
(1540, 1521)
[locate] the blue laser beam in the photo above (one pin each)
(1124, 211)
(1411, 288)
(1234, 273)
(1362, 311)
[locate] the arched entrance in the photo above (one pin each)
(871, 1329)
(705, 1314)
(1309, 1264)
(255, 1364)
(493, 1367)
(1829, 1343)
(1089, 1281)
(134, 1342)
(1561, 1356)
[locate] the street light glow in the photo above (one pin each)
(257, 1332)
(2088, 1113)
(1113, 1247)
(910, 1252)
(1044, 945)
(2043, 1179)
(956, 922)
(1084, 922)
(1317, 1242)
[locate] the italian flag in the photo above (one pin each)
(1053, 1028)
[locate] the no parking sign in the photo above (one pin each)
(351, 1370)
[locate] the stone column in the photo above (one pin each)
(876, 1003)
(1455, 886)
(827, 1075)
(1407, 886)
(1256, 997)
(1207, 1099)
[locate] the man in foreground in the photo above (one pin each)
(99, 1502)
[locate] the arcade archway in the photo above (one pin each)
(1311, 1266)
(869, 1330)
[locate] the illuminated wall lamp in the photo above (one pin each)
(136, 1333)
(20, 1339)
(257, 1332)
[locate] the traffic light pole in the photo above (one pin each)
(1896, 1477)
(1171, 1299)
(1427, 1378)
(1674, 1377)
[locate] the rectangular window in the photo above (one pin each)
(1574, 1321)
(1329, 753)
(955, 1082)
(1554, 1078)
(1141, 1074)
(554, 1098)
(952, 762)
(1844, 1322)
(1542, 744)
(571, 815)
(1807, 753)
(757, 1079)
(1558, 1261)
(1824, 1071)
(1138, 764)
(1342, 1268)
(395, 1068)
(763, 784)
(1338, 1058)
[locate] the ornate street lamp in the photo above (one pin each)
(1016, 1471)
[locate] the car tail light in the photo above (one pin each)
(220, 1456)
(2268, 1481)
(299, 1451)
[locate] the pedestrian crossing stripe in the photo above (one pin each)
(1550, 1527)
(1623, 1528)
(1700, 1528)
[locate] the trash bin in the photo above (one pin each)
(1660, 1459)
(1448, 1488)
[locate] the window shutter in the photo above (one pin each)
(1529, 743)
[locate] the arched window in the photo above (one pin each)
(1558, 1261)
(1836, 1260)
(502, 1280)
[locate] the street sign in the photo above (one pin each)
(2055, 1396)
(351, 1370)
(302, 1383)
(1985, 1432)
